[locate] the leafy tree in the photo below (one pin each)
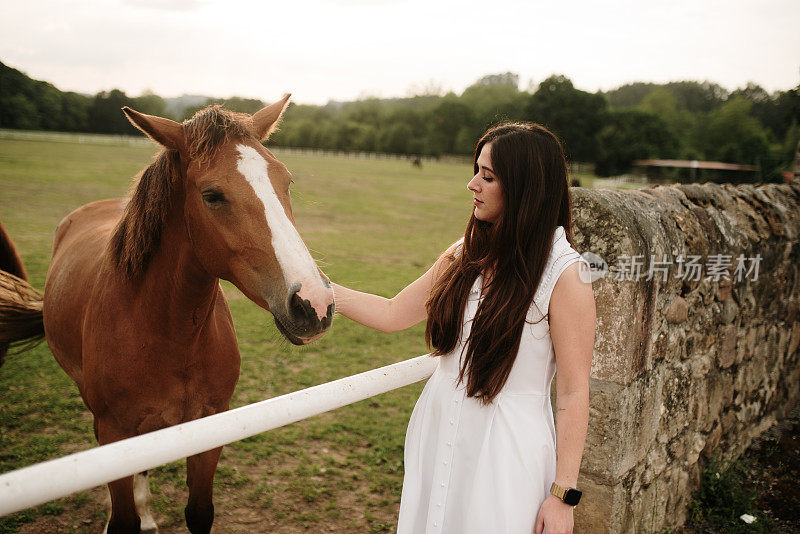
(494, 98)
(47, 100)
(697, 97)
(396, 138)
(16, 111)
(629, 135)
(764, 107)
(326, 135)
(151, 104)
(787, 112)
(74, 116)
(367, 138)
(105, 113)
(296, 133)
(681, 123)
(349, 134)
(505, 78)
(629, 95)
(789, 145)
(444, 123)
(466, 140)
(371, 111)
(298, 112)
(731, 134)
(242, 105)
(574, 115)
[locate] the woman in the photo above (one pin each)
(480, 451)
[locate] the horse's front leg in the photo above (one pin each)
(200, 470)
(123, 518)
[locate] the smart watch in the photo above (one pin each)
(570, 496)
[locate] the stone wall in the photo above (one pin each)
(684, 368)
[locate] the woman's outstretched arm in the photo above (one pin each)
(404, 310)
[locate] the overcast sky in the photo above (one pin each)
(346, 49)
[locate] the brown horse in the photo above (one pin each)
(133, 310)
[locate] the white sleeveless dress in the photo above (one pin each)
(473, 469)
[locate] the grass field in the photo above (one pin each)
(374, 225)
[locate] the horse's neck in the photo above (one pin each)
(180, 293)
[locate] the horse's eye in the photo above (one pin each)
(213, 197)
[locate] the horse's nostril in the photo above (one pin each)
(301, 309)
(305, 316)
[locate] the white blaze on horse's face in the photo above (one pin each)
(299, 268)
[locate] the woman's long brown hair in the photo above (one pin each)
(529, 161)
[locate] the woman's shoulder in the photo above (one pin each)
(562, 255)
(455, 249)
(562, 247)
(447, 257)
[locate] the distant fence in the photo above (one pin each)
(64, 476)
(136, 140)
(70, 137)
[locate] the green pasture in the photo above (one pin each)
(374, 225)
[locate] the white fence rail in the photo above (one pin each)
(57, 478)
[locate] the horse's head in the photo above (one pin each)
(239, 215)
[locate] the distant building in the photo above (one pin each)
(697, 171)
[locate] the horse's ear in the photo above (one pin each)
(266, 120)
(165, 132)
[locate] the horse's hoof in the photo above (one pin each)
(149, 526)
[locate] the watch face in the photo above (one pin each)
(572, 496)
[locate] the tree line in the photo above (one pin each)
(676, 120)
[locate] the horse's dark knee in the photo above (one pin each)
(199, 518)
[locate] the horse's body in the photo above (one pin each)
(133, 310)
(178, 334)
(173, 359)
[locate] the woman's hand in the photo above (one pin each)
(555, 517)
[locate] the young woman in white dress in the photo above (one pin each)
(507, 305)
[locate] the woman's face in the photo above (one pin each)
(487, 193)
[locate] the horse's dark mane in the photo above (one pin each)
(138, 233)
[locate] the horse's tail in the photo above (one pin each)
(21, 322)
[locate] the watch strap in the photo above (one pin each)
(557, 490)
